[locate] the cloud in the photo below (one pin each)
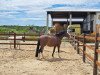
(41, 4)
(26, 10)
(80, 4)
(32, 19)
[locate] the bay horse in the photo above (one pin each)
(51, 41)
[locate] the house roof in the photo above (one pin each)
(75, 13)
(65, 14)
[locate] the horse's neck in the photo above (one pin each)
(60, 37)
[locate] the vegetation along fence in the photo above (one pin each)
(88, 45)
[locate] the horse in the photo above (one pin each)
(51, 41)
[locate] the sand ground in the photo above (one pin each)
(23, 61)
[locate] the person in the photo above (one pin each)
(68, 31)
(57, 27)
(51, 31)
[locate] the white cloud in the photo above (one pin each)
(35, 9)
(32, 19)
(8, 14)
(39, 4)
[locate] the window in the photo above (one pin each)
(72, 30)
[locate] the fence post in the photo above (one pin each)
(14, 40)
(9, 34)
(23, 38)
(77, 45)
(95, 53)
(74, 41)
(84, 47)
(71, 39)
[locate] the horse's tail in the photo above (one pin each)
(37, 49)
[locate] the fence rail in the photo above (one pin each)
(80, 44)
(15, 39)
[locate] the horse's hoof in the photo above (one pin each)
(52, 56)
(43, 57)
(59, 57)
(37, 58)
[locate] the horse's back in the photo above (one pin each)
(43, 40)
(49, 40)
(53, 41)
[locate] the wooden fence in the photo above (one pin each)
(15, 39)
(80, 45)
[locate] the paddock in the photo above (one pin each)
(23, 61)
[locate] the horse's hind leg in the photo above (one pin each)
(53, 51)
(41, 51)
(37, 49)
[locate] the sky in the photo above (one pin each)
(33, 12)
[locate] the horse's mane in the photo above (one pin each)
(60, 33)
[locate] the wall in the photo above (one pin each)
(96, 20)
(86, 24)
(90, 21)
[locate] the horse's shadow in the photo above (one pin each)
(57, 59)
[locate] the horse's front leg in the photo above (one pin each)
(59, 51)
(53, 51)
(41, 51)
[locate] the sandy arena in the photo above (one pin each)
(23, 62)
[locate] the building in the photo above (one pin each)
(86, 18)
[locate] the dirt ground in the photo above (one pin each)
(23, 61)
